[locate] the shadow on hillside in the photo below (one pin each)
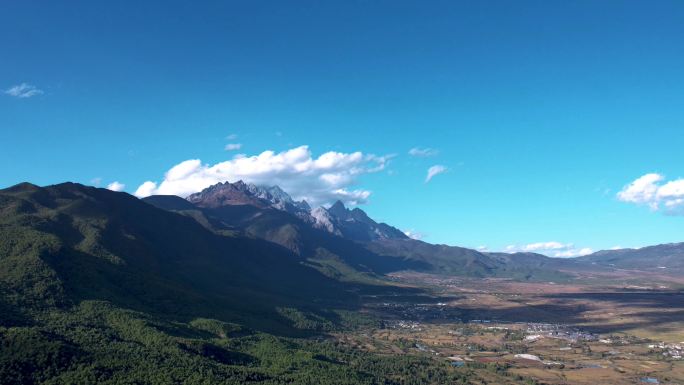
(174, 297)
(10, 316)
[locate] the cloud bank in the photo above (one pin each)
(552, 249)
(434, 171)
(319, 180)
(23, 91)
(651, 190)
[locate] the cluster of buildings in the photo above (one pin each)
(402, 324)
(674, 351)
(421, 311)
(537, 331)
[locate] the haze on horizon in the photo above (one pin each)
(533, 126)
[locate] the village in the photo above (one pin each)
(465, 331)
(673, 351)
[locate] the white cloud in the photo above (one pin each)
(96, 181)
(573, 253)
(233, 146)
(116, 186)
(231, 137)
(23, 91)
(423, 152)
(483, 249)
(318, 180)
(649, 190)
(642, 191)
(547, 246)
(434, 171)
(552, 249)
(414, 234)
(146, 189)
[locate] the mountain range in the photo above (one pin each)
(67, 243)
(665, 257)
(343, 242)
(101, 287)
(351, 224)
(256, 228)
(261, 212)
(98, 286)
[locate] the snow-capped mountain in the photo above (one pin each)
(337, 219)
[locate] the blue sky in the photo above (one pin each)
(541, 112)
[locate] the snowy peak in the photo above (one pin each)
(241, 193)
(338, 219)
(357, 225)
(324, 221)
(224, 194)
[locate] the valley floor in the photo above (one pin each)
(548, 333)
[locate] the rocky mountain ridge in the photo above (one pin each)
(337, 219)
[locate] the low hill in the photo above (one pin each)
(666, 257)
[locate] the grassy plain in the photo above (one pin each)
(617, 328)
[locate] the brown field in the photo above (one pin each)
(592, 333)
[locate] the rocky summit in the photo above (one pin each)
(353, 224)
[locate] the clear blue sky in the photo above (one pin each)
(541, 110)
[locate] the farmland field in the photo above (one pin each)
(548, 333)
